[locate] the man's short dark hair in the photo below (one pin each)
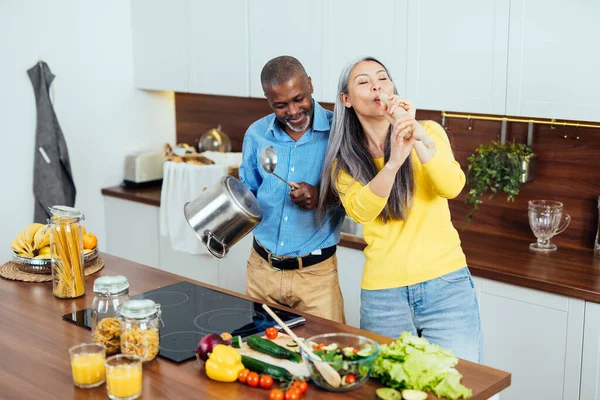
(280, 70)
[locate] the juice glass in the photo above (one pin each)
(87, 364)
(124, 377)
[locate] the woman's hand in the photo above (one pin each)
(402, 140)
(396, 102)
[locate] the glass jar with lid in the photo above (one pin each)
(139, 321)
(110, 292)
(66, 252)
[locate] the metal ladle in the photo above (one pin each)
(268, 160)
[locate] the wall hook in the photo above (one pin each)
(577, 132)
(470, 127)
(564, 135)
(444, 120)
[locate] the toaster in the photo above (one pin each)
(143, 169)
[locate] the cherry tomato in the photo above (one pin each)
(293, 394)
(300, 385)
(243, 375)
(252, 379)
(266, 382)
(350, 378)
(271, 333)
(276, 394)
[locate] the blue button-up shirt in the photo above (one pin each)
(287, 229)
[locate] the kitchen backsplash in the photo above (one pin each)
(568, 165)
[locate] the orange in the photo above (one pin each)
(90, 241)
(83, 231)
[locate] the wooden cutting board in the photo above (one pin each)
(297, 369)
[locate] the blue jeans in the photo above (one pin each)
(443, 310)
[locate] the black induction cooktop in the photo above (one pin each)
(190, 312)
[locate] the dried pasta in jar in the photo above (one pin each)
(140, 342)
(108, 333)
(139, 328)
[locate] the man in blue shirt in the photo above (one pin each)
(293, 259)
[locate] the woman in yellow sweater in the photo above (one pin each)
(415, 277)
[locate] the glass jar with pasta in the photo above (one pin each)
(66, 252)
(139, 320)
(110, 292)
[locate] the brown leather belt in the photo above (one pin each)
(281, 263)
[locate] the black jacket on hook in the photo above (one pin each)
(52, 176)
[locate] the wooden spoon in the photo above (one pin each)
(330, 375)
(398, 112)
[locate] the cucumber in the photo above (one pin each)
(264, 368)
(409, 394)
(236, 342)
(272, 349)
(388, 394)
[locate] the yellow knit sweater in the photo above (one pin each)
(424, 246)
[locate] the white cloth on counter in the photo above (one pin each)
(183, 183)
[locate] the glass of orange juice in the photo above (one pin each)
(87, 364)
(124, 377)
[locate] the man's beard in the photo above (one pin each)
(299, 129)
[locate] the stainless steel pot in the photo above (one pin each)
(223, 214)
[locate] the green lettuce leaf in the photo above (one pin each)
(412, 362)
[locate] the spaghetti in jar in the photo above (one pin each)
(66, 251)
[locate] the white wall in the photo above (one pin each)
(87, 45)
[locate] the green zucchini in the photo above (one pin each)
(388, 394)
(236, 342)
(272, 349)
(264, 368)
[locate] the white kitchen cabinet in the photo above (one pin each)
(590, 376)
(200, 267)
(131, 230)
(286, 28)
(217, 41)
(159, 36)
(553, 59)
(456, 57)
(536, 336)
(357, 28)
(350, 267)
(232, 267)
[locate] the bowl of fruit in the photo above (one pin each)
(31, 249)
(352, 356)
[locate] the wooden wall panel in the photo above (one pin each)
(568, 169)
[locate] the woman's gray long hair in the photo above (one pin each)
(347, 152)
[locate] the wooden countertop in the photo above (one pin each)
(35, 343)
(568, 272)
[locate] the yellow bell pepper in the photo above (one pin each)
(224, 364)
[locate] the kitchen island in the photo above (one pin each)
(35, 342)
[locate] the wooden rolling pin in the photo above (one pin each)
(399, 111)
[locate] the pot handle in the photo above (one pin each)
(210, 236)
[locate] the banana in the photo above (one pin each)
(41, 238)
(27, 248)
(31, 230)
(16, 247)
(44, 251)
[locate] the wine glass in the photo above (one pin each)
(546, 219)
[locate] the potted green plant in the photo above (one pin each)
(498, 168)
